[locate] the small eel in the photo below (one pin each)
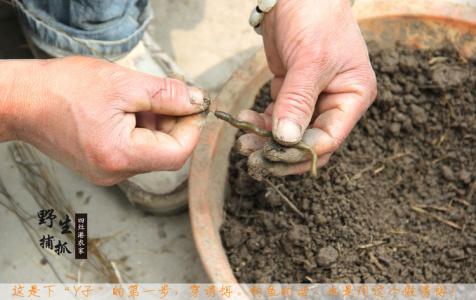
(251, 128)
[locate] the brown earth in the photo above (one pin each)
(397, 203)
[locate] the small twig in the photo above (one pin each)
(371, 245)
(463, 202)
(286, 199)
(378, 170)
(359, 174)
(251, 128)
(372, 164)
(437, 59)
(437, 160)
(375, 261)
(472, 188)
(436, 217)
(397, 156)
(398, 231)
(438, 208)
(117, 272)
(441, 139)
(309, 279)
(460, 258)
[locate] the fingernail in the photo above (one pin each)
(287, 132)
(196, 95)
(199, 97)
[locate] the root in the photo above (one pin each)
(434, 207)
(285, 199)
(371, 245)
(251, 128)
(436, 217)
(375, 261)
(375, 162)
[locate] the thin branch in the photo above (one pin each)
(286, 199)
(436, 217)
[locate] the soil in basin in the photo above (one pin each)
(397, 202)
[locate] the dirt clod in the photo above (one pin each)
(465, 176)
(448, 173)
(327, 256)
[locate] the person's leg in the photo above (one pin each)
(112, 29)
(107, 29)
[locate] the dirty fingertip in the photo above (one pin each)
(199, 97)
(284, 169)
(258, 166)
(278, 153)
(287, 132)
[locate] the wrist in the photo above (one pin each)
(20, 91)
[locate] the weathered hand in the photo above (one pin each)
(321, 66)
(106, 121)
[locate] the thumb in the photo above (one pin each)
(295, 104)
(167, 96)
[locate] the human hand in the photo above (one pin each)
(321, 68)
(109, 122)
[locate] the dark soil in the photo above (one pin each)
(397, 203)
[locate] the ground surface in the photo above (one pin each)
(397, 203)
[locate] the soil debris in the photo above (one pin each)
(327, 256)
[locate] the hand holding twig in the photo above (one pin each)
(251, 128)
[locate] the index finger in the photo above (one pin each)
(159, 151)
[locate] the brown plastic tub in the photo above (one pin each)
(416, 23)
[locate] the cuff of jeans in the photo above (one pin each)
(58, 43)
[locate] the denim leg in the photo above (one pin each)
(101, 28)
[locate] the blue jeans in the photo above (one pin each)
(101, 28)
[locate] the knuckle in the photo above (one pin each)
(337, 141)
(373, 86)
(317, 57)
(321, 59)
(169, 88)
(366, 85)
